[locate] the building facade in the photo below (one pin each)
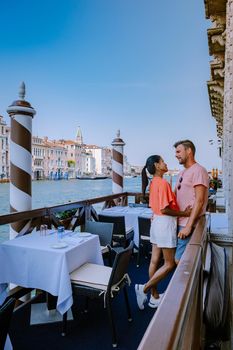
(220, 88)
(4, 150)
(56, 159)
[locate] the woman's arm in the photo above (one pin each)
(171, 212)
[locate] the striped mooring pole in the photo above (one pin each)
(117, 164)
(21, 114)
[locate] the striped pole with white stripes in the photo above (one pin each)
(117, 164)
(21, 114)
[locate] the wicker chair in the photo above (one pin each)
(103, 282)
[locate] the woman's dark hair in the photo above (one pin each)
(150, 166)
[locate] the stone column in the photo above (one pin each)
(117, 164)
(21, 114)
(228, 117)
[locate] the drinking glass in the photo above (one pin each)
(60, 232)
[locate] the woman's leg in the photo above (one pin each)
(154, 263)
(169, 264)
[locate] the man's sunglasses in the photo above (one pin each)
(180, 180)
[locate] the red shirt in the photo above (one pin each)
(161, 196)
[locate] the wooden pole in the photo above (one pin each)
(21, 114)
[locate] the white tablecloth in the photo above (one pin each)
(30, 261)
(131, 215)
(219, 223)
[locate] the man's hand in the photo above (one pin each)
(185, 232)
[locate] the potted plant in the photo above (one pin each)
(65, 217)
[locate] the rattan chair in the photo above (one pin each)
(99, 281)
(121, 235)
(144, 236)
(6, 311)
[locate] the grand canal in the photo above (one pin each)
(49, 193)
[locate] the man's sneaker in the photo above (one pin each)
(154, 303)
(140, 295)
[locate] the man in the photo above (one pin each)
(191, 190)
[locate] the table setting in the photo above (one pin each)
(131, 215)
(45, 259)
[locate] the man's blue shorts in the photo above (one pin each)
(181, 244)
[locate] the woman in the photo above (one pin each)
(163, 232)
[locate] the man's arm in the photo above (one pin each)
(200, 193)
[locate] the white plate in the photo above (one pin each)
(84, 234)
(59, 245)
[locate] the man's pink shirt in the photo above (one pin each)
(193, 176)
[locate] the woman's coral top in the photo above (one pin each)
(161, 196)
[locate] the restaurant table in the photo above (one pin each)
(218, 223)
(131, 215)
(36, 261)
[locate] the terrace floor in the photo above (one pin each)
(88, 330)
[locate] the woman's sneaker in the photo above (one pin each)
(140, 295)
(153, 302)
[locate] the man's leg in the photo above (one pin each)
(181, 245)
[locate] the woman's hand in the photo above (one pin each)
(188, 210)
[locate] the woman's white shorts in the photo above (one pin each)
(163, 231)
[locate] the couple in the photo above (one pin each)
(188, 203)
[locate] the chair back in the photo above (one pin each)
(6, 311)
(144, 225)
(120, 265)
(103, 229)
(138, 205)
(118, 223)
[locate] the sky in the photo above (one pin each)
(140, 66)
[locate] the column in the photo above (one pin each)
(21, 114)
(228, 116)
(117, 164)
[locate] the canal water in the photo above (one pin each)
(50, 193)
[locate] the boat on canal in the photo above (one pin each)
(92, 177)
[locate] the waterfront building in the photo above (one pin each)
(74, 150)
(126, 166)
(79, 137)
(98, 154)
(39, 158)
(136, 169)
(220, 89)
(96, 160)
(107, 161)
(49, 159)
(87, 163)
(55, 159)
(57, 164)
(4, 149)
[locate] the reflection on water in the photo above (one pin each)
(50, 193)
